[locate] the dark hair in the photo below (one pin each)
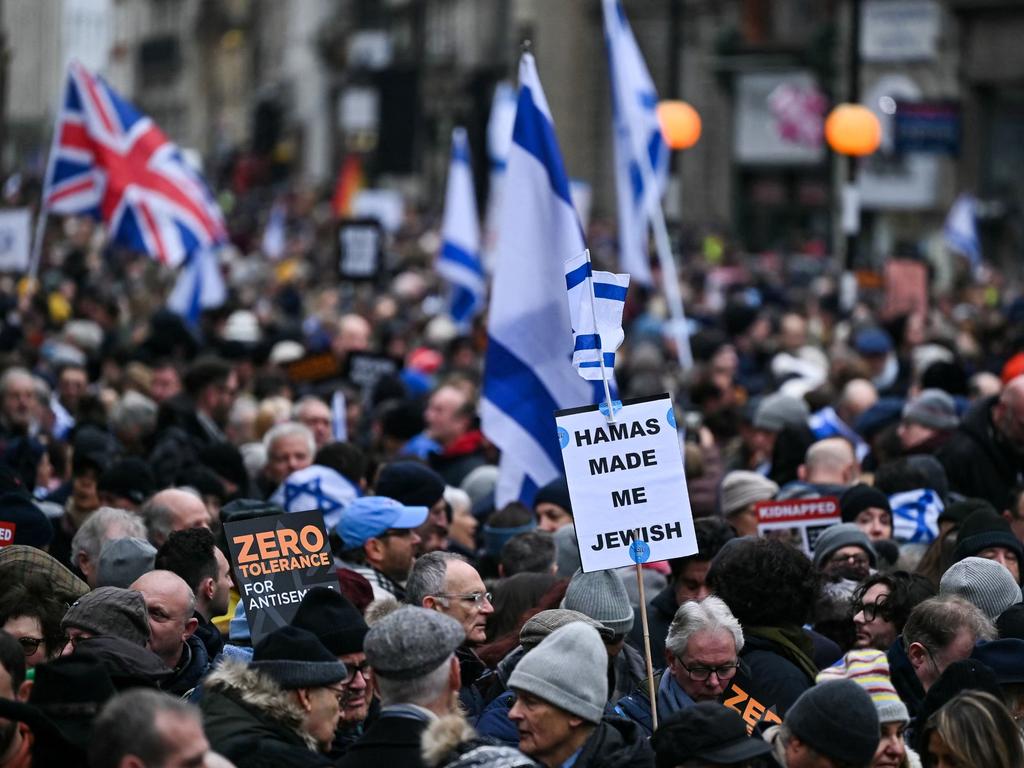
(12, 659)
(127, 726)
(33, 596)
(530, 552)
(348, 460)
(512, 515)
(765, 582)
(906, 590)
(513, 597)
(204, 372)
(712, 534)
(189, 553)
(898, 476)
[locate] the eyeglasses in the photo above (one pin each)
(476, 598)
(339, 693)
(700, 674)
(861, 561)
(30, 644)
(872, 610)
(362, 668)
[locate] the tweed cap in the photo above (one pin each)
(602, 596)
(411, 642)
(869, 668)
(111, 611)
(546, 622)
(20, 562)
(985, 583)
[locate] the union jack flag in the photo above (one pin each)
(113, 163)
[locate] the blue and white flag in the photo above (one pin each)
(459, 261)
(316, 487)
(636, 131)
(915, 516)
(961, 230)
(596, 300)
(200, 286)
(527, 373)
(274, 239)
(499, 139)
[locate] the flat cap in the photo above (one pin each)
(411, 642)
(111, 611)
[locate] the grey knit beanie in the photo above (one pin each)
(602, 596)
(841, 535)
(569, 669)
(933, 408)
(838, 719)
(776, 412)
(567, 548)
(740, 488)
(985, 583)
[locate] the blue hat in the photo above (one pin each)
(872, 341)
(1004, 656)
(369, 516)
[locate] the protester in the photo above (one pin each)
(290, 447)
(844, 551)
(553, 506)
(928, 422)
(829, 467)
(314, 414)
(706, 733)
(15, 738)
(31, 614)
(987, 534)
(985, 583)
(113, 611)
(881, 605)
(869, 509)
(741, 490)
(173, 509)
(973, 729)
(122, 561)
(530, 552)
(451, 422)
(103, 525)
(378, 541)
(415, 485)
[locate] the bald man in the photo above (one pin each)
(171, 606)
(857, 396)
(829, 467)
(173, 509)
(985, 456)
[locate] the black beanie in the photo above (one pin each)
(984, 529)
(959, 511)
(295, 658)
(409, 483)
(838, 719)
(962, 675)
(333, 619)
(1011, 622)
(860, 497)
(556, 492)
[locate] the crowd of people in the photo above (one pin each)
(463, 632)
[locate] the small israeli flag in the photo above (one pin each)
(961, 230)
(596, 300)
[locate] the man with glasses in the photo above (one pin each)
(447, 583)
(378, 541)
(938, 632)
(844, 551)
(340, 627)
(881, 605)
(702, 655)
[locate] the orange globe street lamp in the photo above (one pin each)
(853, 130)
(680, 124)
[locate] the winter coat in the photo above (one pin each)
(661, 609)
(977, 462)
(195, 668)
(391, 742)
(766, 683)
(616, 743)
(460, 458)
(627, 671)
(904, 678)
(451, 742)
(253, 722)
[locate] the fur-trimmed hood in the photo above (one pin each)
(240, 701)
(451, 742)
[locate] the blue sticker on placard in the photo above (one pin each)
(672, 417)
(563, 437)
(616, 406)
(640, 551)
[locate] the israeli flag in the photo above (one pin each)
(316, 487)
(199, 286)
(527, 375)
(274, 239)
(915, 516)
(596, 300)
(961, 230)
(459, 261)
(499, 140)
(636, 131)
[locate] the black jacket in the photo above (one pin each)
(391, 742)
(616, 743)
(252, 722)
(766, 684)
(904, 678)
(195, 663)
(977, 462)
(661, 609)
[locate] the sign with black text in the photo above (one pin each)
(277, 559)
(626, 482)
(797, 521)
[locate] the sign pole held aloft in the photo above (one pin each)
(635, 551)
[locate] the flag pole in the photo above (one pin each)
(647, 639)
(600, 344)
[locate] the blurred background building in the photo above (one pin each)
(300, 84)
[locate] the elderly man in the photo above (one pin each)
(281, 709)
(147, 729)
(171, 607)
(107, 611)
(452, 423)
(290, 447)
(829, 467)
(19, 408)
(561, 688)
(103, 525)
(447, 583)
(412, 652)
(939, 631)
(340, 627)
(315, 415)
(702, 652)
(378, 541)
(173, 509)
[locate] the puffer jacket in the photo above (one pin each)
(253, 722)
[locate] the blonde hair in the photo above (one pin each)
(978, 729)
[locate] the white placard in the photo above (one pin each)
(626, 483)
(15, 236)
(900, 30)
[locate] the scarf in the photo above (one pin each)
(794, 645)
(671, 696)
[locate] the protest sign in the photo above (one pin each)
(311, 368)
(360, 247)
(626, 483)
(15, 235)
(277, 559)
(797, 521)
(365, 370)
